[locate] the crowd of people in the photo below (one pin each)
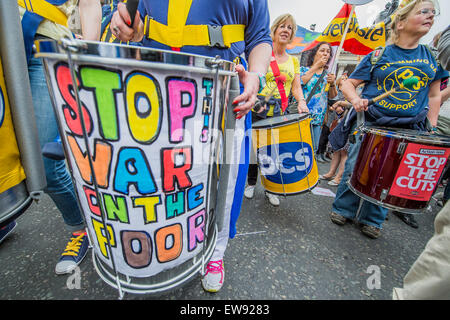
(271, 76)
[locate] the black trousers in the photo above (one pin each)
(323, 141)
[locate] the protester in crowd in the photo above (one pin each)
(282, 32)
(338, 157)
(410, 24)
(316, 64)
(429, 276)
(59, 182)
(250, 34)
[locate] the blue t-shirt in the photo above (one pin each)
(392, 68)
(253, 14)
(318, 103)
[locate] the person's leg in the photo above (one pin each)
(335, 160)
(346, 203)
(446, 192)
(429, 276)
(315, 132)
(343, 158)
(59, 182)
(215, 273)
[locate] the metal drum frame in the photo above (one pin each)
(122, 55)
(404, 136)
(272, 123)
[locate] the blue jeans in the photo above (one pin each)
(316, 130)
(59, 182)
(347, 203)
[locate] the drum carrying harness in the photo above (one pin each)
(177, 34)
(36, 11)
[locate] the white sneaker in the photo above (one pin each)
(249, 192)
(215, 274)
(273, 199)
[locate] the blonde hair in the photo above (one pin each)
(401, 15)
(279, 21)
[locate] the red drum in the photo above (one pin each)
(399, 169)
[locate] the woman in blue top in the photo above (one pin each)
(407, 109)
(318, 58)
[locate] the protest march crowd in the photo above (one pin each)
(140, 77)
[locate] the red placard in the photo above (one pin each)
(419, 172)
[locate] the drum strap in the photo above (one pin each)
(194, 35)
(279, 82)
(36, 11)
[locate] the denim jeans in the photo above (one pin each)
(59, 182)
(347, 203)
(316, 130)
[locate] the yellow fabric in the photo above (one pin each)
(11, 170)
(177, 34)
(53, 26)
(288, 69)
(191, 35)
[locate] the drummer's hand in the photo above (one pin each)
(120, 25)
(302, 107)
(360, 104)
(248, 97)
(331, 78)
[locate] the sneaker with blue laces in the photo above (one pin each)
(7, 230)
(74, 253)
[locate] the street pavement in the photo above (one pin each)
(290, 252)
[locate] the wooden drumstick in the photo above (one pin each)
(259, 104)
(408, 83)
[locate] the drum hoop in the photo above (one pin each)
(434, 139)
(300, 117)
(56, 52)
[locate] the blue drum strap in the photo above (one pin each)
(30, 24)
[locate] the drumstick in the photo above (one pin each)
(132, 7)
(408, 83)
(259, 104)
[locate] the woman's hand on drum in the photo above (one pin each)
(244, 103)
(360, 104)
(120, 25)
(302, 107)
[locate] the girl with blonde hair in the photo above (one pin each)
(414, 109)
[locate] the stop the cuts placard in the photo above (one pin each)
(419, 172)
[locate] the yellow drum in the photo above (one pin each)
(285, 154)
(13, 194)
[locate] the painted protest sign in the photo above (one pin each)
(148, 134)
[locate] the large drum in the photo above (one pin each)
(141, 130)
(14, 198)
(285, 155)
(399, 169)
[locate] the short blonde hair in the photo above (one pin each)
(279, 21)
(401, 15)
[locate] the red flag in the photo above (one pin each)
(357, 41)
